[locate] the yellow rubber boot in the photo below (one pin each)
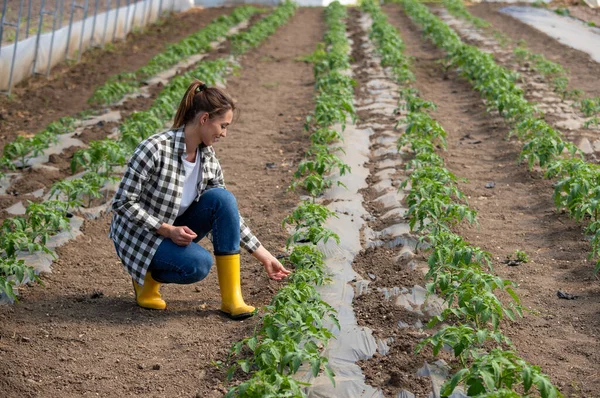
(148, 296)
(228, 269)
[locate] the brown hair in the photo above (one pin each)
(200, 98)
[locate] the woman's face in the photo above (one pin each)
(211, 130)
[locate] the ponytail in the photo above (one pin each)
(200, 98)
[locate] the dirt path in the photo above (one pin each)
(517, 214)
(584, 71)
(82, 335)
(38, 101)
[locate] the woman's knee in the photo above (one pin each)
(223, 197)
(200, 268)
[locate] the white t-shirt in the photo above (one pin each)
(192, 176)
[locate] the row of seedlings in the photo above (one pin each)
(99, 163)
(128, 82)
(551, 71)
(458, 272)
(23, 149)
(577, 189)
(293, 329)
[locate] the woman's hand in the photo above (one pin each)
(181, 236)
(274, 269)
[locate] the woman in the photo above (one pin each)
(172, 195)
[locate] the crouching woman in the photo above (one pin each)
(172, 195)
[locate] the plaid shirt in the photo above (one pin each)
(150, 194)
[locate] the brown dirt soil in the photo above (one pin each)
(97, 132)
(517, 214)
(38, 101)
(83, 335)
(32, 180)
(584, 71)
(579, 10)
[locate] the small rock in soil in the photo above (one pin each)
(512, 263)
(372, 276)
(490, 185)
(566, 296)
(270, 165)
(140, 366)
(25, 339)
(156, 367)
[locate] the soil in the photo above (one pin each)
(578, 9)
(584, 71)
(33, 179)
(38, 101)
(83, 334)
(561, 336)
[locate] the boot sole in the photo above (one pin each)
(239, 317)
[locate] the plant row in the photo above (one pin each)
(128, 82)
(100, 164)
(551, 71)
(576, 189)
(458, 272)
(293, 332)
(22, 149)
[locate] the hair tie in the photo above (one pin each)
(201, 88)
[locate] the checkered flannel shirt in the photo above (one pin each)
(150, 194)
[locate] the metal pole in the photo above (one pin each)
(85, 11)
(2, 23)
(116, 20)
(12, 64)
(70, 29)
(37, 39)
(28, 18)
(52, 39)
(94, 23)
(105, 22)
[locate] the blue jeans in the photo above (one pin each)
(216, 211)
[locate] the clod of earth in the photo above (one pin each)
(566, 296)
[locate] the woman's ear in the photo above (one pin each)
(203, 118)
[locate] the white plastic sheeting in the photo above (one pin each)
(566, 30)
(593, 3)
(52, 47)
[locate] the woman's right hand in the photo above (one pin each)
(181, 236)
